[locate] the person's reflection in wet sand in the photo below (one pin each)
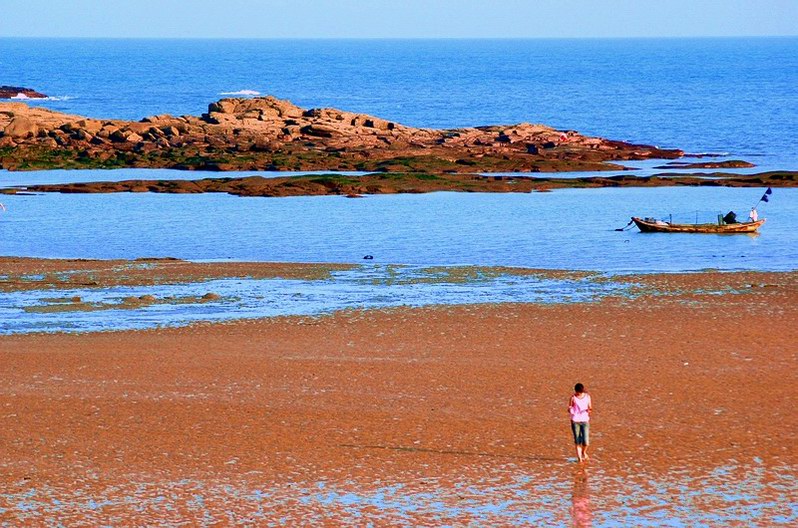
(581, 513)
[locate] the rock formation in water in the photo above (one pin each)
(391, 183)
(12, 92)
(728, 164)
(266, 133)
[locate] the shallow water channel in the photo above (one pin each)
(564, 229)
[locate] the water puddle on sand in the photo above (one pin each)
(363, 287)
(552, 494)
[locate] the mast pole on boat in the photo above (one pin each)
(763, 198)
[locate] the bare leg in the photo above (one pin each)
(579, 452)
(584, 453)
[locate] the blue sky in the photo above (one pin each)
(397, 18)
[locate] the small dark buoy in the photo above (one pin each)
(368, 257)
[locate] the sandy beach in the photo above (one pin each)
(416, 416)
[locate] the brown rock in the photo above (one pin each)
(82, 135)
(92, 126)
(138, 128)
(21, 127)
(159, 119)
(225, 106)
(221, 118)
(106, 131)
(132, 137)
(285, 108)
(729, 164)
(9, 92)
(319, 131)
(380, 124)
(210, 296)
(115, 135)
(50, 143)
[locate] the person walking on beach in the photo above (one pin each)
(579, 407)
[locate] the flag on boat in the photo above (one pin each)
(765, 196)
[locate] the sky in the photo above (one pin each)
(397, 18)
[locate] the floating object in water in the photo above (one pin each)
(726, 223)
(652, 225)
(368, 257)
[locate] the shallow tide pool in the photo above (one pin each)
(364, 287)
(506, 494)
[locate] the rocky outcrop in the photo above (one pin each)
(381, 183)
(266, 133)
(728, 164)
(21, 128)
(17, 92)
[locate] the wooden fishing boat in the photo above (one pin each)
(650, 225)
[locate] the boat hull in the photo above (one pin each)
(665, 227)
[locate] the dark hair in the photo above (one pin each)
(578, 388)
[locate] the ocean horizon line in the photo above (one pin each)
(412, 38)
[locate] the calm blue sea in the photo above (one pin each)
(565, 229)
(736, 95)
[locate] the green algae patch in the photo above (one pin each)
(412, 182)
(17, 273)
(76, 304)
(399, 274)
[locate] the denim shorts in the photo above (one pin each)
(581, 432)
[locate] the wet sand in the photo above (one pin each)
(22, 273)
(428, 416)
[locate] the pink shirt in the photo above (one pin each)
(578, 408)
